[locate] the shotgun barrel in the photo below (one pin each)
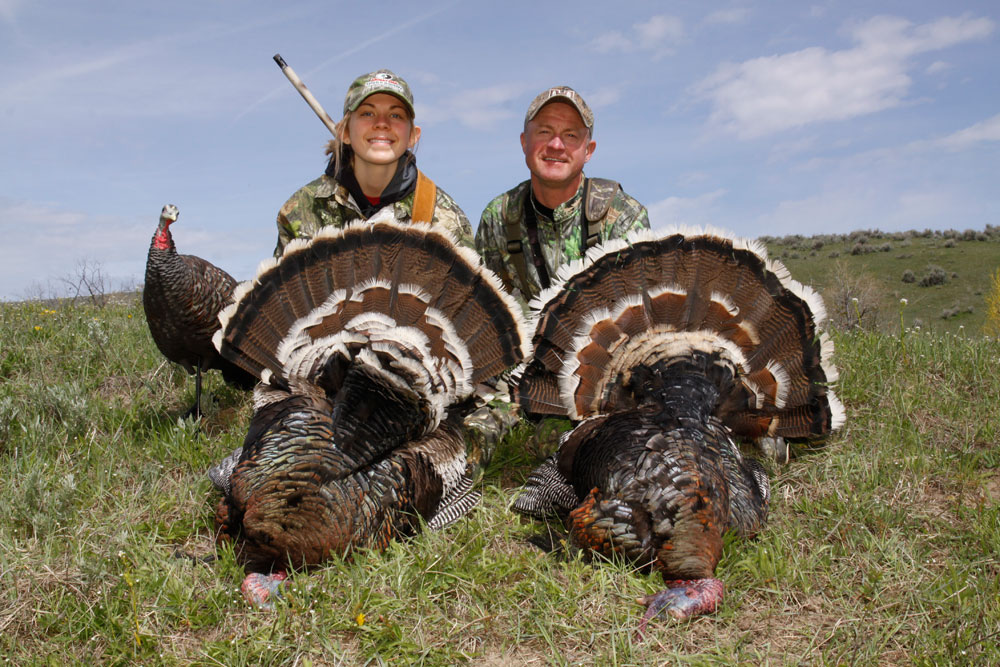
(306, 94)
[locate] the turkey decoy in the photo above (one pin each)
(182, 297)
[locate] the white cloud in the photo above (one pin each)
(987, 130)
(937, 67)
(782, 151)
(477, 108)
(9, 9)
(693, 178)
(47, 244)
(902, 159)
(658, 35)
(774, 93)
(827, 213)
(159, 75)
(728, 16)
(845, 208)
(602, 97)
(695, 211)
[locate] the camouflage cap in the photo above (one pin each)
(561, 94)
(381, 81)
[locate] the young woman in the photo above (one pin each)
(371, 167)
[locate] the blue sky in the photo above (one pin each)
(760, 117)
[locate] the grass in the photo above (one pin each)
(872, 263)
(881, 547)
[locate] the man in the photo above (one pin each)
(528, 232)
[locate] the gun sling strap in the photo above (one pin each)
(424, 198)
(597, 196)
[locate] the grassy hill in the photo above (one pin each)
(881, 548)
(872, 266)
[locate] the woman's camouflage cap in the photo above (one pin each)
(561, 94)
(381, 81)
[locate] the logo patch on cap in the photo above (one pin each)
(381, 81)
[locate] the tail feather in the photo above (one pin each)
(644, 300)
(546, 492)
(412, 275)
(369, 342)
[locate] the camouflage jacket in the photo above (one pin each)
(326, 202)
(559, 239)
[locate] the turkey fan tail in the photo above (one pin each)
(649, 300)
(403, 299)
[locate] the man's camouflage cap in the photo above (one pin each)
(382, 81)
(561, 94)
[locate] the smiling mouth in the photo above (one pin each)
(380, 140)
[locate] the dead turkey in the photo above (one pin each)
(370, 342)
(182, 298)
(668, 351)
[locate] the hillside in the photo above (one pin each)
(872, 264)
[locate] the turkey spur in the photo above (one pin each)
(369, 342)
(182, 297)
(668, 352)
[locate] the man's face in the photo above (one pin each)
(556, 145)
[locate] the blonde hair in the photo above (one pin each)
(335, 147)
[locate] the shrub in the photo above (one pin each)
(853, 298)
(992, 324)
(934, 275)
(950, 243)
(909, 276)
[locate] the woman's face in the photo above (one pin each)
(380, 130)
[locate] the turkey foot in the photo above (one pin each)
(682, 599)
(260, 590)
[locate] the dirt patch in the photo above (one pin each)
(992, 488)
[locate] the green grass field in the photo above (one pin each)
(871, 265)
(882, 546)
